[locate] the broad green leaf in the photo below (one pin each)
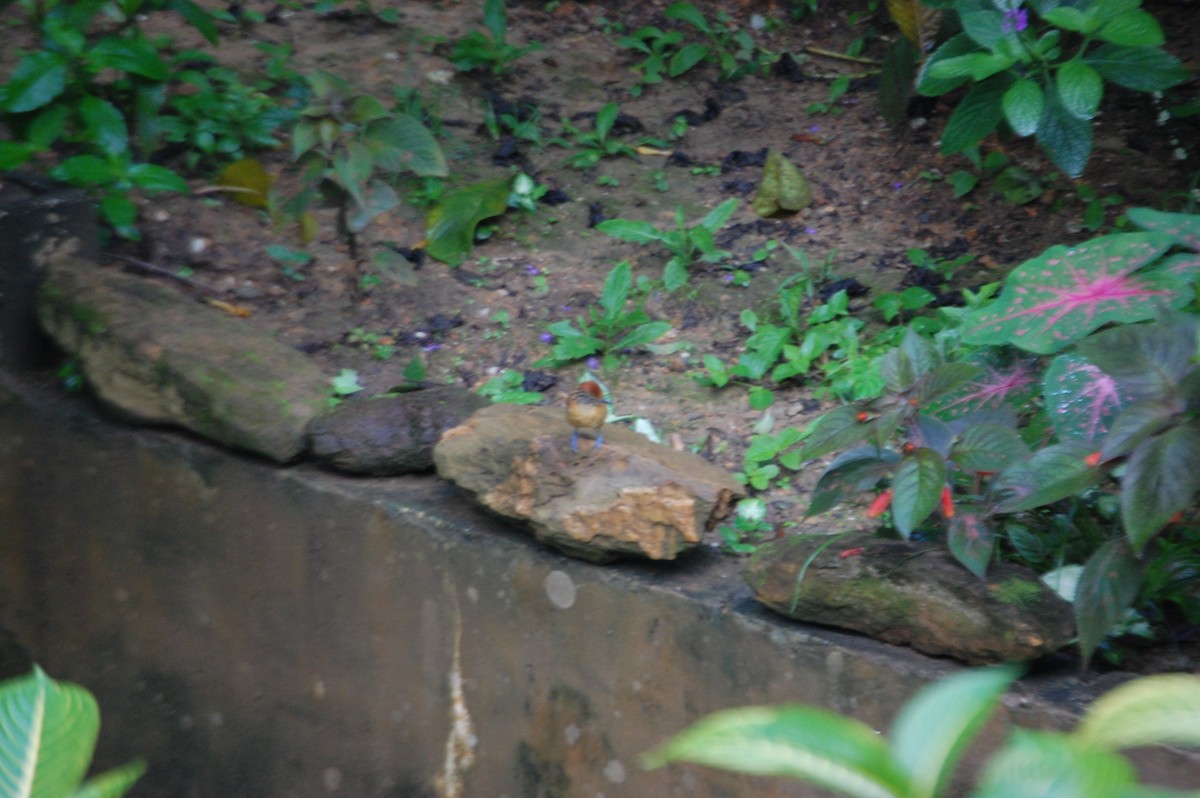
(605, 117)
(14, 154)
(37, 80)
(1022, 104)
(944, 379)
(1138, 68)
(47, 734)
(798, 742)
(633, 231)
(84, 170)
(971, 539)
(1070, 18)
(364, 108)
(197, 17)
(976, 116)
(858, 469)
(933, 729)
(675, 275)
(930, 85)
(1081, 400)
(401, 143)
(1147, 360)
(111, 783)
(988, 448)
(984, 26)
(1052, 473)
(686, 57)
(134, 54)
(495, 19)
(917, 487)
(1153, 710)
(378, 197)
(1133, 28)
(782, 188)
(840, 428)
(1065, 137)
(1183, 228)
(119, 211)
(1080, 88)
(616, 290)
(715, 219)
(250, 179)
(1066, 292)
(687, 12)
(47, 126)
(1161, 479)
(450, 226)
(642, 335)
(978, 66)
(152, 177)
(1107, 587)
(1039, 764)
(1137, 422)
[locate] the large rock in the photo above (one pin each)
(393, 434)
(630, 498)
(915, 594)
(164, 359)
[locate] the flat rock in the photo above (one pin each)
(162, 358)
(392, 434)
(912, 594)
(630, 498)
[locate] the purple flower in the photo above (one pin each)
(1015, 20)
(814, 128)
(532, 270)
(431, 348)
(812, 231)
(547, 338)
(593, 363)
(899, 184)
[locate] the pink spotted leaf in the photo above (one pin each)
(1002, 382)
(1082, 400)
(1067, 292)
(971, 539)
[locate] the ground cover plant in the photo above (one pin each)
(425, 208)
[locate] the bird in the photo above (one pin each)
(587, 409)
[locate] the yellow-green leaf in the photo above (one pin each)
(782, 187)
(247, 181)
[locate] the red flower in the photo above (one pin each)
(881, 503)
(947, 502)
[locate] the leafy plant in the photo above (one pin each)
(352, 143)
(607, 330)
(595, 145)
(490, 51)
(687, 244)
(1122, 403)
(1040, 68)
(933, 730)
(48, 734)
(728, 46)
(748, 528)
(663, 55)
(509, 386)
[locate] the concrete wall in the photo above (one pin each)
(256, 631)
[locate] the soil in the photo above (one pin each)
(879, 192)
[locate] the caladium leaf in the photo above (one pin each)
(1146, 360)
(1183, 228)
(1067, 292)
(1051, 474)
(971, 539)
(917, 488)
(1002, 382)
(1161, 479)
(1107, 587)
(1082, 400)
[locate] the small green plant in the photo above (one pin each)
(381, 345)
(352, 144)
(595, 145)
(837, 89)
(687, 244)
(48, 738)
(730, 47)
(509, 386)
(748, 528)
(1040, 68)
(290, 260)
(663, 55)
(933, 730)
(608, 330)
(489, 51)
(344, 383)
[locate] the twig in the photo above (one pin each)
(858, 59)
(150, 268)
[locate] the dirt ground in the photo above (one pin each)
(879, 191)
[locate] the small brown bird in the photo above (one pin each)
(587, 409)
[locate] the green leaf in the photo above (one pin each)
(153, 177)
(984, 26)
(1038, 764)
(1069, 18)
(675, 274)
(47, 735)
(917, 488)
(84, 170)
(37, 80)
(401, 143)
(800, 742)
(715, 219)
(1080, 88)
(859, 469)
(495, 18)
(1147, 360)
(988, 448)
(111, 783)
(1153, 710)
(1023, 102)
(1138, 68)
(930, 85)
(632, 231)
(605, 118)
(840, 428)
(1134, 28)
(1065, 137)
(973, 65)
(134, 54)
(1053, 473)
(1137, 422)
(450, 226)
(897, 79)
(782, 187)
(642, 334)
(1081, 400)
(685, 58)
(976, 116)
(616, 290)
(1107, 587)
(971, 539)
(197, 17)
(1161, 479)
(934, 728)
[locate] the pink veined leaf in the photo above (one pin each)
(1082, 400)
(1184, 228)
(1011, 382)
(1067, 292)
